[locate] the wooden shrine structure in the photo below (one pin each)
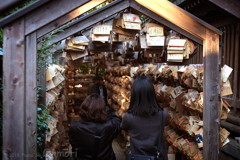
(23, 28)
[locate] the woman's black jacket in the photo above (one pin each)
(81, 134)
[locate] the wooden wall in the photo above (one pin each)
(229, 54)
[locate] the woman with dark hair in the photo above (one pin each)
(96, 118)
(144, 120)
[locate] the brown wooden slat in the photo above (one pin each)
(49, 12)
(31, 96)
(67, 17)
(196, 58)
(221, 48)
(236, 68)
(13, 91)
(227, 62)
(225, 46)
(211, 106)
(228, 45)
(201, 54)
(231, 54)
(91, 19)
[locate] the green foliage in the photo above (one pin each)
(44, 55)
(42, 127)
(142, 17)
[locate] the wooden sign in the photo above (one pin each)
(49, 98)
(128, 17)
(155, 41)
(58, 79)
(175, 48)
(122, 30)
(122, 37)
(226, 89)
(131, 25)
(226, 71)
(175, 57)
(77, 55)
(100, 38)
(177, 42)
(83, 40)
(102, 29)
(155, 31)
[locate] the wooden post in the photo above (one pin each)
(31, 97)
(211, 89)
(235, 69)
(14, 91)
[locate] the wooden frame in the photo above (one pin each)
(20, 58)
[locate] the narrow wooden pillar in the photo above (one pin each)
(211, 88)
(13, 91)
(235, 69)
(31, 97)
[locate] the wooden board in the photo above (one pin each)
(236, 69)
(13, 93)
(211, 89)
(31, 96)
(67, 17)
(49, 12)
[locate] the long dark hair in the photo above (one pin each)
(93, 109)
(143, 100)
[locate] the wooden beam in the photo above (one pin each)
(31, 97)
(179, 17)
(211, 89)
(236, 66)
(232, 119)
(165, 22)
(49, 12)
(10, 18)
(91, 19)
(67, 17)
(13, 91)
(231, 6)
(231, 127)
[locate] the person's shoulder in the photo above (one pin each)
(128, 116)
(162, 111)
(73, 125)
